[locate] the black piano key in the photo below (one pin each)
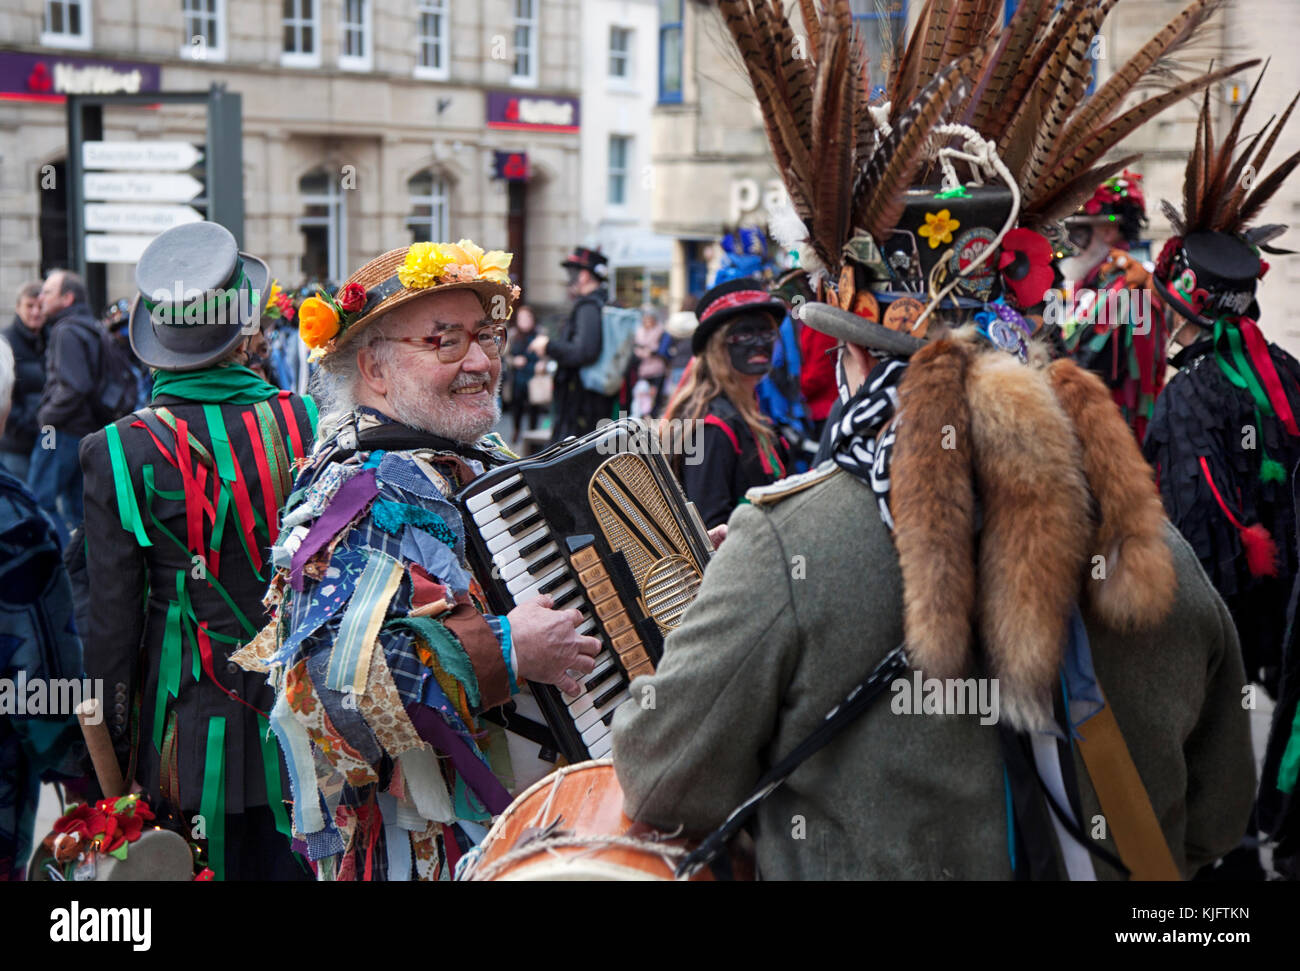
(567, 598)
(608, 718)
(602, 700)
(525, 524)
(508, 490)
(554, 584)
(537, 566)
(600, 677)
(514, 507)
(533, 547)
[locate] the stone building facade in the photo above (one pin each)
(366, 123)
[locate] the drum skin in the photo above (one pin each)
(585, 804)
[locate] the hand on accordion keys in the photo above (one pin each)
(548, 646)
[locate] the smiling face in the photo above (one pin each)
(410, 383)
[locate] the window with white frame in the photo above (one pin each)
(354, 52)
(620, 53)
(620, 159)
(204, 24)
(301, 21)
(671, 13)
(524, 70)
(324, 227)
(432, 27)
(429, 219)
(67, 23)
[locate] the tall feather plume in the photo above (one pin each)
(878, 191)
(811, 26)
(1004, 63)
(1194, 174)
(1216, 177)
(832, 131)
(1173, 36)
(1074, 161)
(1022, 101)
(1238, 211)
(1068, 81)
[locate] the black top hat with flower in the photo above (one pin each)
(909, 205)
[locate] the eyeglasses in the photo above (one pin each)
(453, 345)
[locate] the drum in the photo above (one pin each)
(571, 826)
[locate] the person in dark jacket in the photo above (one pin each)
(182, 505)
(27, 342)
(736, 448)
(577, 410)
(38, 643)
(67, 409)
(523, 365)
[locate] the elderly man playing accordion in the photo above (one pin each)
(381, 651)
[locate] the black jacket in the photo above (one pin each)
(125, 613)
(728, 465)
(577, 410)
(72, 362)
(29, 383)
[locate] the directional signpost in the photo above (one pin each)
(124, 193)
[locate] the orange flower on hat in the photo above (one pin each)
(318, 322)
(938, 227)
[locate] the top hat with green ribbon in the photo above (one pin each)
(199, 297)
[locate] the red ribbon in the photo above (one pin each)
(263, 473)
(737, 298)
(1257, 348)
(292, 424)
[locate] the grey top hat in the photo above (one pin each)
(853, 329)
(199, 297)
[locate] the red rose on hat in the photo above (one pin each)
(352, 297)
(1026, 265)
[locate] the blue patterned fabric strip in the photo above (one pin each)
(438, 561)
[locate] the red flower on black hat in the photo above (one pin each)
(1026, 265)
(352, 297)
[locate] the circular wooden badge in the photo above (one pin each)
(865, 305)
(902, 314)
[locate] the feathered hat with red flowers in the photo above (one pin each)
(938, 195)
(1120, 201)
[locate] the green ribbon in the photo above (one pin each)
(230, 383)
(271, 766)
(1243, 375)
(169, 671)
(213, 803)
(310, 404)
(222, 452)
(172, 308)
(128, 511)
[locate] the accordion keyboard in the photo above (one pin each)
(530, 561)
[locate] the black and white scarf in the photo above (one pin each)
(855, 446)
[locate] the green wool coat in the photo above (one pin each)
(800, 602)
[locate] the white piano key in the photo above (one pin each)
(527, 587)
(511, 552)
(499, 527)
(599, 728)
(602, 747)
(518, 566)
(484, 498)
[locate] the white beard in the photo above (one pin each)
(412, 405)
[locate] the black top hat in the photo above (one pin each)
(1208, 275)
(583, 258)
(199, 296)
(727, 300)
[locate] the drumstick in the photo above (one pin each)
(100, 746)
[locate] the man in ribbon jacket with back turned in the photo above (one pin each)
(182, 501)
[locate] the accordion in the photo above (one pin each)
(600, 524)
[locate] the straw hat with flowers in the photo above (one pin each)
(327, 323)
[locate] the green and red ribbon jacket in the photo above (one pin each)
(182, 503)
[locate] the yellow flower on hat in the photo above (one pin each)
(424, 265)
(938, 227)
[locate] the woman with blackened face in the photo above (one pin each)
(721, 444)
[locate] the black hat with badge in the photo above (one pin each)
(199, 297)
(585, 258)
(727, 301)
(1206, 276)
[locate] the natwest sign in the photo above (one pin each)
(46, 77)
(529, 112)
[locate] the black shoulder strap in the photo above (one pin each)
(400, 438)
(837, 719)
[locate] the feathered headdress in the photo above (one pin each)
(1023, 88)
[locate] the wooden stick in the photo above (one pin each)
(100, 745)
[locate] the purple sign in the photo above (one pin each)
(521, 111)
(52, 77)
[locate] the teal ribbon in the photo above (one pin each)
(128, 510)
